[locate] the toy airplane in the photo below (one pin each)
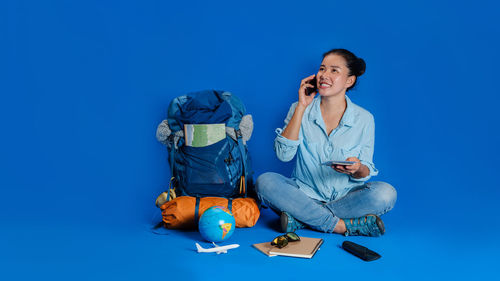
(216, 248)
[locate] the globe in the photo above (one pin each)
(216, 224)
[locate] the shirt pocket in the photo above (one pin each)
(342, 153)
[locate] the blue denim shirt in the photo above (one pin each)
(353, 137)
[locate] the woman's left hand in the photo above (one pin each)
(348, 169)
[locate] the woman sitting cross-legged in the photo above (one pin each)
(330, 198)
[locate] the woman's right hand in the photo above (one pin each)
(292, 130)
(305, 100)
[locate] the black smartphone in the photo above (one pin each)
(313, 82)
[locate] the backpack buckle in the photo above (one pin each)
(238, 133)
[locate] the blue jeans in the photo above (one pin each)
(283, 195)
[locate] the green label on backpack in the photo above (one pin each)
(199, 135)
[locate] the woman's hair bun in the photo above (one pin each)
(359, 67)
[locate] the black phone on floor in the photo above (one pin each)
(313, 82)
(360, 251)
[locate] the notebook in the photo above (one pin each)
(305, 248)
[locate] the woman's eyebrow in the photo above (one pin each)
(332, 66)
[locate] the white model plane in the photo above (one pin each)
(216, 248)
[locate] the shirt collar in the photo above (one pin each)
(347, 119)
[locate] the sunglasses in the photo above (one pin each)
(282, 240)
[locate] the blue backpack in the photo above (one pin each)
(222, 169)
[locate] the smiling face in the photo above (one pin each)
(333, 76)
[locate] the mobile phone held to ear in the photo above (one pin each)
(313, 82)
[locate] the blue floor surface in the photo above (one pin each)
(85, 83)
(104, 252)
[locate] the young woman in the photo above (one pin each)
(328, 127)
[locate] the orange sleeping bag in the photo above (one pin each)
(180, 212)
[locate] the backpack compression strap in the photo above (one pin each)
(244, 159)
(197, 208)
(172, 177)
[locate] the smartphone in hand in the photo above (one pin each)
(343, 163)
(313, 82)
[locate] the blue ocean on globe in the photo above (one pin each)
(216, 224)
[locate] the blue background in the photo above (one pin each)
(84, 84)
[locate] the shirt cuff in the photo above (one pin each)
(371, 168)
(284, 141)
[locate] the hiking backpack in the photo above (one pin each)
(221, 169)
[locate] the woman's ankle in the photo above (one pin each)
(340, 227)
